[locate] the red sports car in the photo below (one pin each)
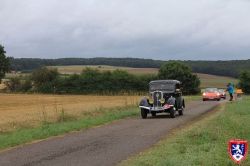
(222, 93)
(211, 94)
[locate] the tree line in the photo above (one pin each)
(224, 68)
(45, 80)
(93, 81)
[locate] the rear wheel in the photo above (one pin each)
(153, 114)
(144, 113)
(172, 113)
(218, 99)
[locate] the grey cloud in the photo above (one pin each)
(159, 29)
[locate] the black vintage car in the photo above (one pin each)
(164, 96)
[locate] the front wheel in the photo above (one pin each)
(172, 113)
(181, 111)
(144, 113)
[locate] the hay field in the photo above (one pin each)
(28, 110)
(76, 69)
(208, 80)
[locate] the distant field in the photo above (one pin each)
(207, 80)
(78, 69)
(21, 110)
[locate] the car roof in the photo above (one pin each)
(165, 81)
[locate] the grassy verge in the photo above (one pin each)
(204, 142)
(46, 130)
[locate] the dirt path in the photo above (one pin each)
(104, 145)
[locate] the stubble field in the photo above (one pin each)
(26, 110)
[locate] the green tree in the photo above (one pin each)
(45, 80)
(181, 72)
(244, 83)
(4, 63)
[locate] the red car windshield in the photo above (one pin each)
(211, 90)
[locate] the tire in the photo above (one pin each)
(153, 114)
(172, 113)
(144, 113)
(181, 111)
(218, 99)
(204, 99)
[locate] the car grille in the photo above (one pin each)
(157, 96)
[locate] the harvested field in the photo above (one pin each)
(25, 110)
(208, 80)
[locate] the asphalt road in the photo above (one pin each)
(104, 145)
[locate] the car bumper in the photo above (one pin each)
(211, 98)
(157, 109)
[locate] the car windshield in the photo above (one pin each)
(211, 90)
(221, 90)
(162, 86)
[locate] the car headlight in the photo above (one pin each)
(150, 100)
(162, 101)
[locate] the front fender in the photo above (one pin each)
(144, 102)
(171, 101)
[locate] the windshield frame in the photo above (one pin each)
(162, 87)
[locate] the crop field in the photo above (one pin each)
(208, 80)
(26, 110)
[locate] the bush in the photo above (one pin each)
(180, 72)
(45, 80)
(14, 84)
(97, 82)
(244, 83)
(18, 84)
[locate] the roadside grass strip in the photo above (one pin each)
(65, 125)
(204, 142)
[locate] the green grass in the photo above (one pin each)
(46, 130)
(202, 143)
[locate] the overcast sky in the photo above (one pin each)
(157, 29)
